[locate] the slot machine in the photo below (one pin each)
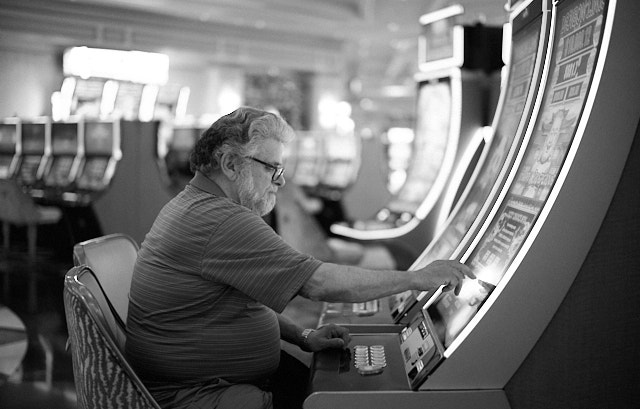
(529, 27)
(35, 153)
(63, 165)
(340, 170)
(137, 191)
(9, 149)
(101, 153)
(449, 143)
(173, 152)
(451, 90)
(309, 158)
(460, 351)
(329, 162)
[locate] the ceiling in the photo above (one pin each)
(373, 42)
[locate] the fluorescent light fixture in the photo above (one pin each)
(135, 66)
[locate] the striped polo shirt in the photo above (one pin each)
(208, 278)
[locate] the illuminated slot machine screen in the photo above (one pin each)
(8, 140)
(506, 140)
(128, 98)
(308, 165)
(98, 149)
(33, 136)
(341, 156)
(433, 122)
(339, 174)
(575, 50)
(437, 42)
(64, 147)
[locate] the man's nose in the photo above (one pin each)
(280, 182)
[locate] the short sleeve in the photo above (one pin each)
(246, 254)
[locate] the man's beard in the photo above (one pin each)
(249, 198)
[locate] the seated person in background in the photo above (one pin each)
(211, 279)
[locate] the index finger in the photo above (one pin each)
(467, 271)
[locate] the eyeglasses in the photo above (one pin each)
(277, 170)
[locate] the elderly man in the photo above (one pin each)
(212, 278)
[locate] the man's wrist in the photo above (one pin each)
(305, 338)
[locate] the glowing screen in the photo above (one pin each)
(98, 138)
(579, 28)
(525, 46)
(433, 120)
(8, 135)
(33, 138)
(64, 138)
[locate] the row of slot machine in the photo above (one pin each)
(458, 80)
(459, 75)
(525, 221)
(102, 173)
(323, 162)
(70, 162)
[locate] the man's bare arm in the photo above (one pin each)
(341, 283)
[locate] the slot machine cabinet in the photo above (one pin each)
(309, 159)
(294, 215)
(529, 36)
(9, 149)
(337, 171)
(63, 165)
(101, 153)
(137, 191)
(589, 51)
(449, 142)
(175, 143)
(450, 108)
(323, 165)
(35, 152)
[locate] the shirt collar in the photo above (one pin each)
(202, 182)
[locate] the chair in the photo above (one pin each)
(18, 208)
(112, 259)
(103, 377)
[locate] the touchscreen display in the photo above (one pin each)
(64, 138)
(430, 145)
(8, 135)
(579, 28)
(98, 138)
(421, 351)
(33, 138)
(505, 140)
(525, 44)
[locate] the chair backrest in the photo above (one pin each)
(112, 259)
(15, 205)
(103, 377)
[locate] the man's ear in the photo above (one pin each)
(230, 165)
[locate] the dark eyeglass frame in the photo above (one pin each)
(278, 171)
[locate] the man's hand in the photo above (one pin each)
(449, 273)
(328, 336)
